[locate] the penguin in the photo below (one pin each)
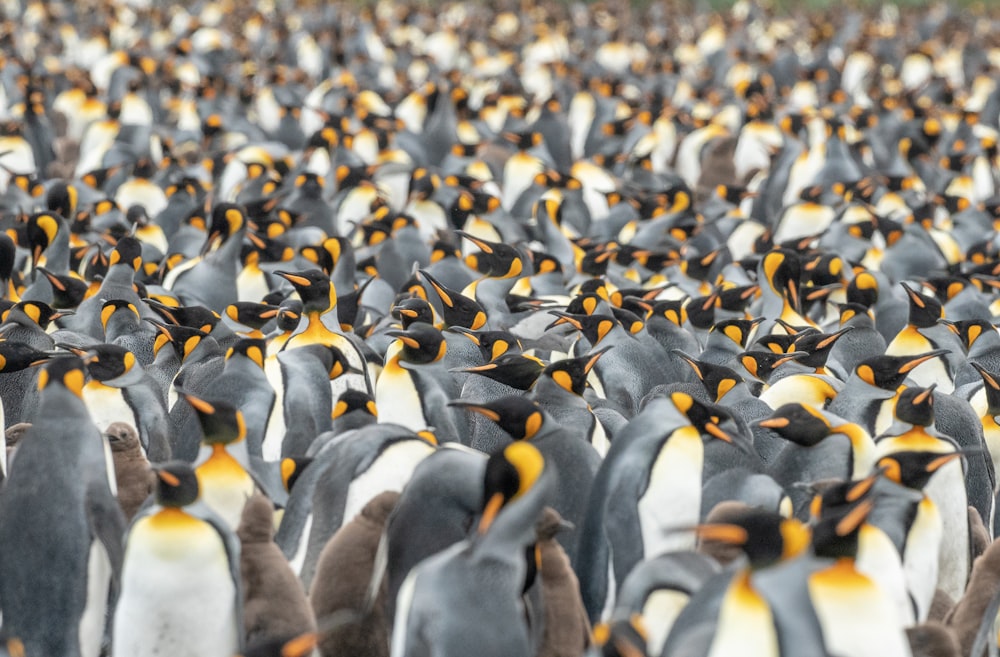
(915, 432)
(209, 279)
(57, 605)
(17, 377)
(119, 390)
(174, 548)
(123, 327)
(573, 460)
(354, 550)
(856, 614)
(413, 389)
(133, 475)
(861, 343)
(118, 284)
(516, 486)
(560, 391)
(243, 383)
(224, 482)
(274, 604)
(922, 334)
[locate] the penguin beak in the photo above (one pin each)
(919, 360)
(596, 356)
(493, 507)
(722, 533)
(405, 338)
(300, 646)
(167, 478)
(485, 411)
(294, 279)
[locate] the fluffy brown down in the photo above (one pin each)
(567, 630)
(132, 472)
(340, 587)
(274, 603)
(984, 582)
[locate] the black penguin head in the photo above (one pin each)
(817, 346)
(839, 512)
(221, 422)
(62, 198)
(16, 356)
(991, 386)
(707, 418)
(121, 309)
(227, 220)
(291, 469)
(492, 344)
(916, 406)
(593, 327)
(353, 400)
(848, 311)
(762, 364)
(422, 343)
(328, 254)
(65, 371)
(781, 269)
(571, 374)
(925, 311)
(458, 309)
(183, 339)
(41, 232)
(717, 379)
(176, 484)
(799, 423)
(516, 370)
(739, 331)
(289, 315)
(196, 317)
(250, 314)
(914, 469)
(888, 372)
(969, 330)
(494, 259)
(510, 473)
(518, 416)
(251, 348)
(108, 361)
(863, 289)
(413, 309)
(672, 310)
(314, 288)
(766, 537)
(127, 251)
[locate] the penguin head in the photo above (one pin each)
(351, 401)
(571, 374)
(798, 423)
(413, 309)
(914, 469)
(253, 349)
(254, 316)
(492, 344)
(593, 327)
(672, 310)
(766, 537)
(301, 645)
(863, 289)
(762, 364)
(221, 422)
(176, 484)
(289, 315)
(494, 259)
(16, 356)
(65, 371)
(849, 311)
(510, 474)
(969, 330)
(122, 310)
(42, 230)
(707, 418)
(314, 288)
(183, 339)
(516, 370)
(888, 372)
(328, 253)
(106, 362)
(122, 437)
(781, 269)
(717, 379)
(991, 386)
(128, 251)
(839, 512)
(915, 406)
(739, 331)
(292, 468)
(458, 309)
(227, 220)
(519, 416)
(422, 343)
(62, 198)
(195, 317)
(925, 311)
(817, 346)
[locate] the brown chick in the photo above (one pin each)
(567, 629)
(132, 473)
(340, 587)
(984, 582)
(274, 603)
(933, 640)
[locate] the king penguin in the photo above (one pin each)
(61, 543)
(180, 579)
(441, 608)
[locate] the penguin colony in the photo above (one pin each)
(521, 330)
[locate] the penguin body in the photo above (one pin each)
(173, 548)
(133, 476)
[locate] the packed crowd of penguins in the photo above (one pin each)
(513, 330)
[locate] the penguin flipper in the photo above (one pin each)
(107, 524)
